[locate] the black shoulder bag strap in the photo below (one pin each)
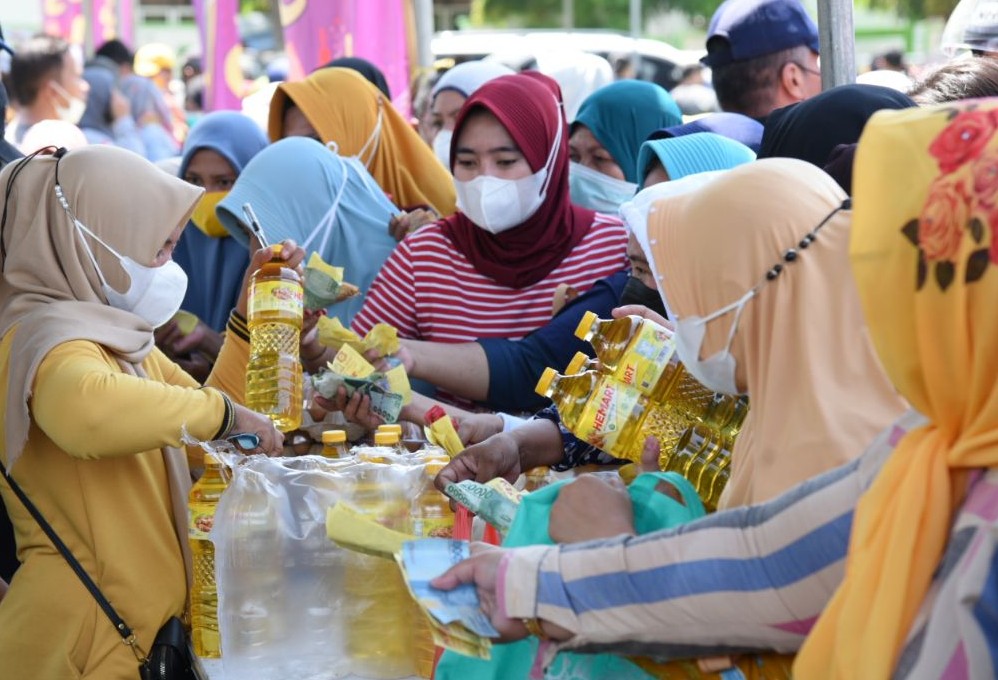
(127, 636)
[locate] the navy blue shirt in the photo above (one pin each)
(515, 366)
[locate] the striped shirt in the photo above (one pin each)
(757, 578)
(429, 290)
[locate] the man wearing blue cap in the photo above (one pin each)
(763, 55)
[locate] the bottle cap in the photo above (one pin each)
(277, 248)
(584, 330)
(391, 427)
(577, 364)
(334, 437)
(544, 384)
(386, 439)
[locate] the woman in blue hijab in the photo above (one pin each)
(608, 131)
(328, 204)
(215, 152)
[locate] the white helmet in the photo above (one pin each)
(973, 25)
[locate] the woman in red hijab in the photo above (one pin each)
(490, 270)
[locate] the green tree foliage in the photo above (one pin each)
(916, 9)
(613, 14)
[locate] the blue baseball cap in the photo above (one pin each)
(745, 29)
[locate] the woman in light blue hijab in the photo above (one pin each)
(609, 129)
(662, 160)
(328, 204)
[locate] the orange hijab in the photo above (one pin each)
(925, 257)
(346, 109)
(818, 392)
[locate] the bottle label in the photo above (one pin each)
(276, 296)
(647, 359)
(200, 519)
(433, 527)
(607, 413)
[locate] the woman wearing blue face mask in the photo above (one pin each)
(611, 125)
(93, 413)
(215, 152)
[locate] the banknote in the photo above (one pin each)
(424, 560)
(491, 504)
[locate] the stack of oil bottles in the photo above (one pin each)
(635, 388)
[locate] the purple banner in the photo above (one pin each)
(65, 19)
(318, 31)
(126, 22)
(103, 21)
(224, 86)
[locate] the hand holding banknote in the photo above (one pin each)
(481, 570)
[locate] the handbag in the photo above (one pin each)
(171, 656)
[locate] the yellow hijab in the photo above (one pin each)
(818, 392)
(924, 249)
(345, 108)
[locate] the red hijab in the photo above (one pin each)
(530, 110)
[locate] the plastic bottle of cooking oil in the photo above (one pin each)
(431, 517)
(274, 373)
(634, 350)
(204, 595)
(334, 444)
(379, 639)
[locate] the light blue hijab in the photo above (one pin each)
(329, 204)
(691, 154)
(215, 266)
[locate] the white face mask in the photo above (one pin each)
(441, 146)
(497, 205)
(154, 293)
(716, 372)
(73, 111)
(596, 191)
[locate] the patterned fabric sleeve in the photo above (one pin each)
(576, 452)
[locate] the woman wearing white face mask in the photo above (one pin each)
(449, 95)
(93, 413)
(491, 270)
(612, 124)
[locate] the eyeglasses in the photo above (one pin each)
(803, 68)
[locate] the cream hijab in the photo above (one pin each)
(49, 291)
(818, 392)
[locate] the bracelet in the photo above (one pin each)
(228, 418)
(534, 627)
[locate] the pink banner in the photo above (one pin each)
(380, 35)
(65, 19)
(103, 21)
(126, 22)
(221, 52)
(315, 32)
(318, 31)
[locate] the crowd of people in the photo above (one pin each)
(825, 253)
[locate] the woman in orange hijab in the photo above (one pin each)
(337, 105)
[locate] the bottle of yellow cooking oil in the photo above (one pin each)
(579, 363)
(334, 444)
(634, 350)
(274, 373)
(703, 457)
(431, 517)
(598, 409)
(389, 439)
(391, 427)
(203, 501)
(379, 638)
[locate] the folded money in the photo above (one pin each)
(324, 285)
(491, 504)
(383, 338)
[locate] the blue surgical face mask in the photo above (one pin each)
(596, 191)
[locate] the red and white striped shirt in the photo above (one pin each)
(429, 290)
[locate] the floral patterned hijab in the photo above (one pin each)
(925, 257)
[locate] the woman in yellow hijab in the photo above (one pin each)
(338, 105)
(888, 565)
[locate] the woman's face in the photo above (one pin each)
(484, 147)
(210, 170)
(297, 125)
(585, 149)
(165, 254)
(446, 106)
